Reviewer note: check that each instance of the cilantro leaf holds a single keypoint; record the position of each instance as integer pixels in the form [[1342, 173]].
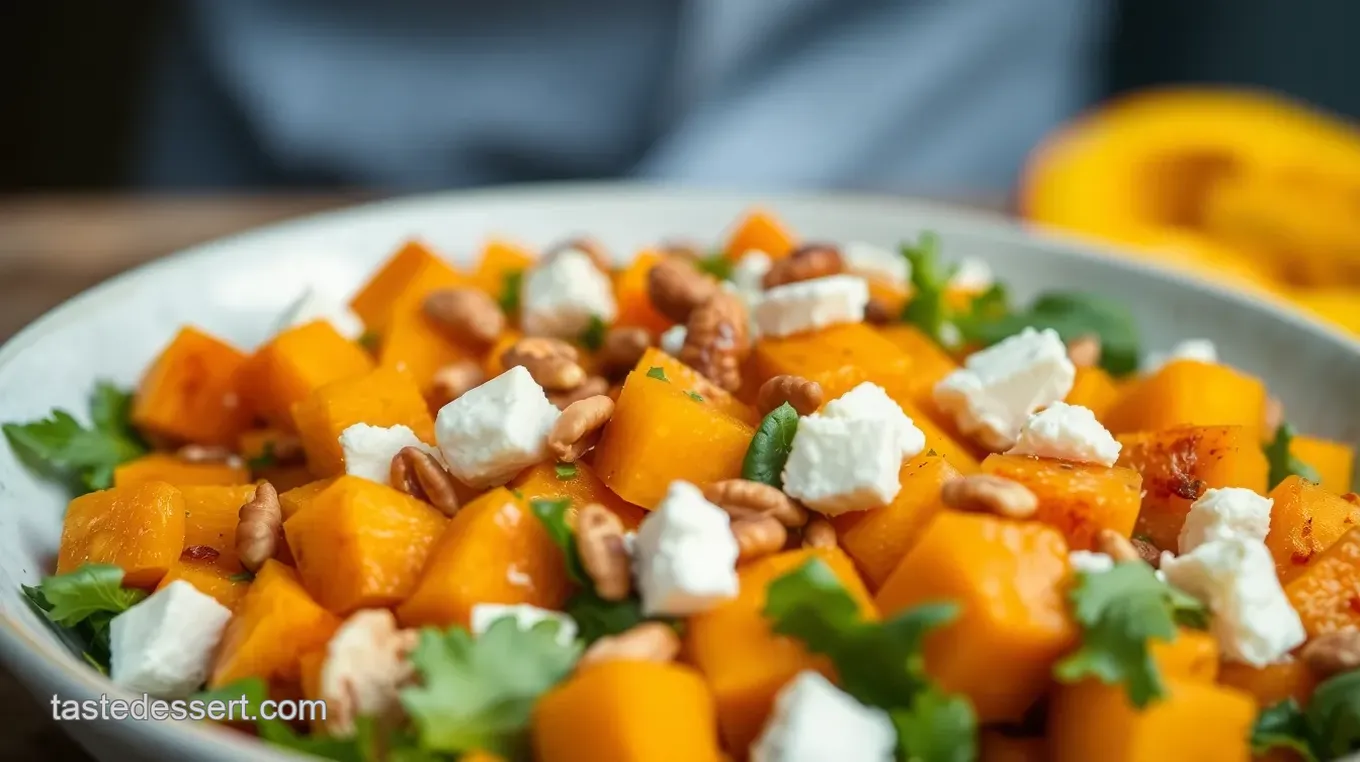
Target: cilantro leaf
[[697, 397], [1284, 726], [244, 575], [1119, 611], [254, 691], [770, 447], [82, 603], [597, 618], [592, 337], [716, 264], [657, 372], [565, 471], [1283, 462], [1072, 314], [477, 693], [510, 287], [553, 515], [928, 308], [938, 727], [1334, 716], [59, 446]]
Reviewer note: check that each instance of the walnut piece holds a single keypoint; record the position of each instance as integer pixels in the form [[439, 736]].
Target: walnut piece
[[990, 494], [816, 260], [467, 315], [1332, 653], [758, 536], [365, 668], [421, 475], [258, 527], [675, 288], [593, 386], [554, 364], [453, 381], [649, 641], [717, 340], [819, 533], [599, 541], [622, 348], [578, 428], [742, 498], [805, 396]]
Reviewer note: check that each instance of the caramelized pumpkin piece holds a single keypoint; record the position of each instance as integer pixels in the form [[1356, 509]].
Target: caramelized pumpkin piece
[[1095, 389], [210, 577], [382, 397], [361, 544], [691, 381], [659, 434], [630, 292], [414, 264], [1334, 461], [294, 500], [274, 625], [163, 467], [414, 346], [1191, 393], [1304, 521], [210, 518], [929, 362], [1178, 465], [577, 483], [189, 393], [760, 230], [501, 260], [627, 711], [493, 551], [1193, 656], [296, 363], [745, 663], [1009, 578], [881, 537], [1273, 683], [1327, 592], [139, 529], [1077, 499]]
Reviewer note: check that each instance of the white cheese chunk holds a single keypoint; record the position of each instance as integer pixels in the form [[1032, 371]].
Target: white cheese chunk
[[559, 297], [313, 305], [839, 465], [1089, 562], [869, 402], [973, 275], [1067, 432], [685, 556], [673, 339], [1200, 350], [164, 645], [1225, 512], [496, 430], [369, 450], [1000, 387], [876, 263], [812, 304], [485, 614], [365, 666], [1253, 620], [748, 273], [814, 721]]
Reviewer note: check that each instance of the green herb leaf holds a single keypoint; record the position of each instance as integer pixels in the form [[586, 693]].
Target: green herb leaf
[[928, 308], [242, 576], [939, 727], [1120, 610], [597, 618], [1334, 716], [1283, 462], [770, 447], [716, 264], [592, 337], [553, 514], [254, 692], [697, 397], [265, 459], [657, 372], [1282, 725], [511, 281], [1072, 314], [566, 471], [60, 447], [82, 603], [478, 693]]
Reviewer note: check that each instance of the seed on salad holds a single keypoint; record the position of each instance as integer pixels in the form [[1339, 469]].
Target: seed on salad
[[804, 395], [258, 526], [675, 288], [816, 260], [758, 536], [206, 454], [742, 498], [986, 493], [553, 363], [578, 428], [421, 475], [649, 641], [592, 248], [1117, 546], [1332, 653], [599, 541], [717, 340], [453, 381], [1084, 351], [465, 314], [593, 386], [622, 348], [819, 533]]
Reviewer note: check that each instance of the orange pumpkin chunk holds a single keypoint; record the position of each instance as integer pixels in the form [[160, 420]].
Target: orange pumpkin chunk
[[1304, 521], [210, 577], [760, 230], [139, 529], [578, 484], [382, 397], [294, 500], [1327, 593], [630, 293], [500, 261], [878, 541], [189, 393], [690, 380], [1273, 683], [414, 264], [296, 363], [929, 362], [1013, 623], [1191, 393], [1094, 389], [493, 551], [162, 467], [1077, 499], [210, 518], [1193, 655], [1334, 461], [415, 346], [361, 544], [274, 625]]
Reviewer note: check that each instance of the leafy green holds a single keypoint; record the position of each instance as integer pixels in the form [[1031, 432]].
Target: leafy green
[[60, 447], [360, 748], [82, 603], [770, 447], [510, 287], [928, 308], [244, 575], [1120, 610], [1282, 726], [477, 693], [1073, 315], [597, 618], [657, 372], [592, 337], [265, 459], [1283, 462], [1328, 729], [565, 471], [716, 264], [697, 397], [553, 515], [879, 663]]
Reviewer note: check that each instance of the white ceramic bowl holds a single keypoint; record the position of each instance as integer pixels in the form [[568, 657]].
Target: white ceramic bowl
[[238, 286]]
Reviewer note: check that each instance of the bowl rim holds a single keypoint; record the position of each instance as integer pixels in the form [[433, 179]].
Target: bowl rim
[[36, 664]]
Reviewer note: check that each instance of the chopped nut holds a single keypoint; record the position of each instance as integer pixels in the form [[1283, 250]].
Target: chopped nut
[[1117, 546], [465, 314], [877, 312], [599, 540], [207, 454], [819, 533], [453, 381], [742, 498], [623, 347], [366, 666], [990, 494], [1148, 552], [1332, 653], [687, 250], [675, 288], [554, 364], [805, 396], [717, 340], [758, 536], [579, 427], [258, 526], [593, 386], [1274, 415], [649, 641], [817, 260], [1084, 351], [589, 246], [420, 475]]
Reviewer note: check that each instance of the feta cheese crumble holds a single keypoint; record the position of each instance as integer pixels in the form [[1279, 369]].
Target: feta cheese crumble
[[313, 305], [369, 450], [164, 645], [496, 430], [1201, 350], [814, 721], [673, 339], [876, 262], [526, 616], [1223, 513], [812, 304], [1067, 432], [685, 556], [840, 465], [1000, 387], [748, 273], [1089, 562], [869, 402], [559, 297]]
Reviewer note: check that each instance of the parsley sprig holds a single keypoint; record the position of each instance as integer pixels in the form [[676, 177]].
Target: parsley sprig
[[60, 447], [1283, 462], [82, 603], [1328, 729]]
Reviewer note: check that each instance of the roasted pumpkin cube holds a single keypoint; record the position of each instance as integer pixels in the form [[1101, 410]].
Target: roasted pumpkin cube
[[189, 393], [210, 518], [296, 363], [1178, 465], [1304, 521], [1010, 582], [1192, 655], [658, 434], [577, 483], [294, 500], [210, 577], [1095, 389], [1273, 683], [491, 362], [635, 306], [383, 397], [760, 230], [744, 662], [493, 551], [500, 261], [692, 382], [415, 347], [1333, 461], [929, 362], [361, 544], [1327, 592], [275, 623], [163, 467], [1077, 499], [139, 529], [1190, 393], [880, 538], [414, 265], [838, 357]]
